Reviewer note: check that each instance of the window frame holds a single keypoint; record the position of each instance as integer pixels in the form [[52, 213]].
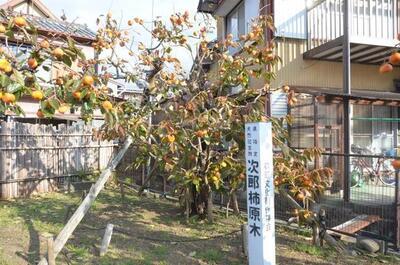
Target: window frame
[[20, 50], [236, 10]]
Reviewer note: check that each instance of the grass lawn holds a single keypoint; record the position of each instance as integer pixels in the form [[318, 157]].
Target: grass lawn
[[149, 226]]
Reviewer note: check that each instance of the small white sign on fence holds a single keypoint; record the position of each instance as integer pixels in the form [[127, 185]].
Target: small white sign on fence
[[260, 194]]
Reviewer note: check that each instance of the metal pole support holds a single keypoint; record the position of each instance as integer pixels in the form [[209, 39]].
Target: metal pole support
[[347, 92]]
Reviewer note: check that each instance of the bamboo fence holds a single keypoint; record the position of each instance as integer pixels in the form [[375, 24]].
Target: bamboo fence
[[37, 158]]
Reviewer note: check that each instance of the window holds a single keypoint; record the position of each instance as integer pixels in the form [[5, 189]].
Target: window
[[375, 133], [20, 51], [235, 22]]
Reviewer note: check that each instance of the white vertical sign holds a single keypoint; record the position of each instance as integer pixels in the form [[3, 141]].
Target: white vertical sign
[[260, 194]]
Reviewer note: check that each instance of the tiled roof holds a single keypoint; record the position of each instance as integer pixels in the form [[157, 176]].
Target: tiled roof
[[48, 23], [62, 27], [208, 6]]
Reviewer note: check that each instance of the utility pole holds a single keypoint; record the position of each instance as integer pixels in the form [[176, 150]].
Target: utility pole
[[347, 93]]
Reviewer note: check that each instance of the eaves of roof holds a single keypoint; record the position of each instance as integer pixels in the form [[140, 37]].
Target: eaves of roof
[[54, 28]]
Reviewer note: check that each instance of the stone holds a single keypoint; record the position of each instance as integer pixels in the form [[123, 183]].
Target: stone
[[367, 244]]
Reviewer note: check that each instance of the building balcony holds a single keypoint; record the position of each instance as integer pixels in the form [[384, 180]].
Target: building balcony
[[374, 26]]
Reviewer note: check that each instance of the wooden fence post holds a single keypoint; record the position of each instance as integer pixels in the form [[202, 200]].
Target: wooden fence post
[[80, 212], [106, 239], [5, 169], [51, 258], [2, 160]]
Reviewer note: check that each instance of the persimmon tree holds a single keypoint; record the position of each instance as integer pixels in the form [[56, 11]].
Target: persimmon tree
[[197, 140]]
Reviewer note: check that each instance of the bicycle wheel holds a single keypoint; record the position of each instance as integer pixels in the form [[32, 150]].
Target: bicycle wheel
[[387, 176]]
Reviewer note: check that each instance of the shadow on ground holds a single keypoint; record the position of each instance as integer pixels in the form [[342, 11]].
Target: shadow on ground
[[153, 233]]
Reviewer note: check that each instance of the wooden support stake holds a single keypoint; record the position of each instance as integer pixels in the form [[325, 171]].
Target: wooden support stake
[[106, 239], [328, 238], [316, 240], [84, 207], [121, 186], [51, 258]]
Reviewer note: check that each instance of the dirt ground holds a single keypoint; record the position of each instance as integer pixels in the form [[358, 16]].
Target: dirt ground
[[147, 231]]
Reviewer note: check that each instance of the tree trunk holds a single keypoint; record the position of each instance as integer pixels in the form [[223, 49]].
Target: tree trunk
[[201, 202], [187, 204], [235, 204], [227, 206], [210, 215], [149, 176]]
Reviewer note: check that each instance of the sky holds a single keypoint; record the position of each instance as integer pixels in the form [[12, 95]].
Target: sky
[[87, 11]]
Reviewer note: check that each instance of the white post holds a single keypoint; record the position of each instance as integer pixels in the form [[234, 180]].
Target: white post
[[51, 258], [260, 194], [106, 239]]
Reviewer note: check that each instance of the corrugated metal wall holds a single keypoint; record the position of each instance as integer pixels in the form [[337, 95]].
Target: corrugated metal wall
[[295, 71], [279, 107]]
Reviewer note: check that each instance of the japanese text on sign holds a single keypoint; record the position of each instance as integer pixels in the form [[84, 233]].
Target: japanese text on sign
[[260, 194]]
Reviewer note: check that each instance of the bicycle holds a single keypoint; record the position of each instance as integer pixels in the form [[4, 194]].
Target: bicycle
[[362, 172]]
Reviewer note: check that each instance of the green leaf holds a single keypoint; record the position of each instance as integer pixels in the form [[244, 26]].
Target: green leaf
[[54, 103], [109, 118], [71, 42], [18, 110], [47, 108], [2, 107], [81, 54], [14, 87], [70, 53], [93, 97], [4, 80], [46, 68], [67, 60], [171, 177], [69, 83], [10, 34], [19, 78], [84, 93], [48, 112], [85, 107]]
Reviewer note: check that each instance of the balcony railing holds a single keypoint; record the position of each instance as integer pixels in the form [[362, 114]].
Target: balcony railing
[[372, 21]]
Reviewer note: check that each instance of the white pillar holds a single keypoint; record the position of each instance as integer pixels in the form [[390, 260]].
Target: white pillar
[[260, 194]]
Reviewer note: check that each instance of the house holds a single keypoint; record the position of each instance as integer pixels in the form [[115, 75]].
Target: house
[[50, 26], [331, 51]]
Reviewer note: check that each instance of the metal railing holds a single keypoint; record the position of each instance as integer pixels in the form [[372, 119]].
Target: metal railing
[[371, 20]]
